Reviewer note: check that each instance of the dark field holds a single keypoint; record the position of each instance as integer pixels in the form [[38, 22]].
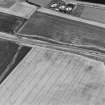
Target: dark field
[[63, 30], [10, 55], [10, 23]]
